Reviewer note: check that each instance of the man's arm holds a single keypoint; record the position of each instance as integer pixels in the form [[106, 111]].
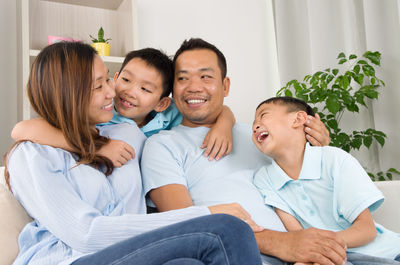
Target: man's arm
[[171, 197], [176, 196], [310, 245], [316, 132]]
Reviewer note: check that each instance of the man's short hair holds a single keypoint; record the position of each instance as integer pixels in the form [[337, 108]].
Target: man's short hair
[[292, 104], [158, 60], [199, 44]]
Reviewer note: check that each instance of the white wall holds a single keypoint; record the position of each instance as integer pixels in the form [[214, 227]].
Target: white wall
[[8, 72], [242, 30]]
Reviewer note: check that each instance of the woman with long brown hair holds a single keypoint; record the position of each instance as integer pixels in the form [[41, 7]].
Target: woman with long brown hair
[[86, 212]]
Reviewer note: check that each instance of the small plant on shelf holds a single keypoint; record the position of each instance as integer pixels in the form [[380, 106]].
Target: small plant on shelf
[[100, 44], [332, 92]]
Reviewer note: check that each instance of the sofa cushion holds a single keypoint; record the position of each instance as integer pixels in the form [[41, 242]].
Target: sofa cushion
[[13, 219], [388, 214]]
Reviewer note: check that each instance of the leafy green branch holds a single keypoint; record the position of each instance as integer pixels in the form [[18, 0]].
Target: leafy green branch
[[331, 92]]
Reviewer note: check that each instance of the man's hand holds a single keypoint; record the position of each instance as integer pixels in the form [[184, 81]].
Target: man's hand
[[236, 210], [118, 152], [316, 132], [310, 245]]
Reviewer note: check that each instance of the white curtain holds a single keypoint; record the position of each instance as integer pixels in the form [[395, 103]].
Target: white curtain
[[311, 33]]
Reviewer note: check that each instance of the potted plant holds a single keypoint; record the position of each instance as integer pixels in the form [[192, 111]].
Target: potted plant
[[331, 92], [100, 44]]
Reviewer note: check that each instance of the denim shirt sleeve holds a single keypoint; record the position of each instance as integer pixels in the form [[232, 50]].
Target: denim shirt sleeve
[[44, 188]]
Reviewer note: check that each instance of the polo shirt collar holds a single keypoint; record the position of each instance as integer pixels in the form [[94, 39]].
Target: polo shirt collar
[[311, 168]]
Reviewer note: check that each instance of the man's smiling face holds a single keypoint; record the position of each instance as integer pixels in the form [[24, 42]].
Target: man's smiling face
[[199, 90]]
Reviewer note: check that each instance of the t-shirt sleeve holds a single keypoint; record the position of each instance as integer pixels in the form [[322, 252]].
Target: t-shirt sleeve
[[353, 189], [159, 165], [271, 197]]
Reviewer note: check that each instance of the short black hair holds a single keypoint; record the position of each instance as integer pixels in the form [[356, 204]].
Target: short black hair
[[199, 44], [160, 61], [292, 104]]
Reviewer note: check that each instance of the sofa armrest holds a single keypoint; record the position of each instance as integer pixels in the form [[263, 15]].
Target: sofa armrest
[[388, 214], [13, 219]]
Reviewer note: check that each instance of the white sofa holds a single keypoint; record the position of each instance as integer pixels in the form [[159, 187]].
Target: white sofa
[[14, 217]]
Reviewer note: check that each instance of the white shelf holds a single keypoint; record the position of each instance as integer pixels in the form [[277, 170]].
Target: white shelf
[[106, 59], [105, 4], [74, 19], [112, 62]]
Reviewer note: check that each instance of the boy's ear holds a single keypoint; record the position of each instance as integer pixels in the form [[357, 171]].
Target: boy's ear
[[115, 77], [300, 119], [163, 104]]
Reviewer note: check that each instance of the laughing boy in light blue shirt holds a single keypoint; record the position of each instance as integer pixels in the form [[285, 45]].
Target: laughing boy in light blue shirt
[[322, 187]]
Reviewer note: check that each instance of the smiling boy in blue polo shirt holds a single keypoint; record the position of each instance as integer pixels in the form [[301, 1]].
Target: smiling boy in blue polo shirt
[[322, 187]]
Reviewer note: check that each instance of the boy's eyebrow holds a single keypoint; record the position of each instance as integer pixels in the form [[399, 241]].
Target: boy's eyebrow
[[127, 71], [144, 81]]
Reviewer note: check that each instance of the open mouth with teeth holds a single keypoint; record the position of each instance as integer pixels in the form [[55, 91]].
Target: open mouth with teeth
[[195, 101], [107, 107], [126, 103], [262, 136]]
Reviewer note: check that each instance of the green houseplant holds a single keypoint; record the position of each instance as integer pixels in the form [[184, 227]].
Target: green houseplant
[[332, 92], [100, 44]]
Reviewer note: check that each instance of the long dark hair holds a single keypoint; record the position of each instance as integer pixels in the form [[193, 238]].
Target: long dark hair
[[59, 90]]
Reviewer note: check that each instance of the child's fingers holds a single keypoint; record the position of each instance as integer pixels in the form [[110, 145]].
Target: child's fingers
[[222, 150], [209, 147], [205, 142], [215, 150], [125, 155], [130, 150], [218, 149], [229, 149]]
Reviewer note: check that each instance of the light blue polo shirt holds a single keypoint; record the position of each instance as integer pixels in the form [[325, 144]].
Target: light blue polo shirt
[[331, 191], [175, 157], [165, 120]]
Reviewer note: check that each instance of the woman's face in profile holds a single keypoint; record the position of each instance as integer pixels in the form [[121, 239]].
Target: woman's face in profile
[[101, 102]]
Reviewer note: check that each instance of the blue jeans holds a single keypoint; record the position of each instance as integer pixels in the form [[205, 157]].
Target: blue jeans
[[361, 259], [214, 239], [352, 259]]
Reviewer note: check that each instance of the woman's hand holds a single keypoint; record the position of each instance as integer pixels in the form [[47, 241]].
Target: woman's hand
[[236, 210]]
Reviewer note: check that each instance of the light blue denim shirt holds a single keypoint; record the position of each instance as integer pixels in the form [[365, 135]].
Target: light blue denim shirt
[[76, 209], [165, 120], [330, 193]]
